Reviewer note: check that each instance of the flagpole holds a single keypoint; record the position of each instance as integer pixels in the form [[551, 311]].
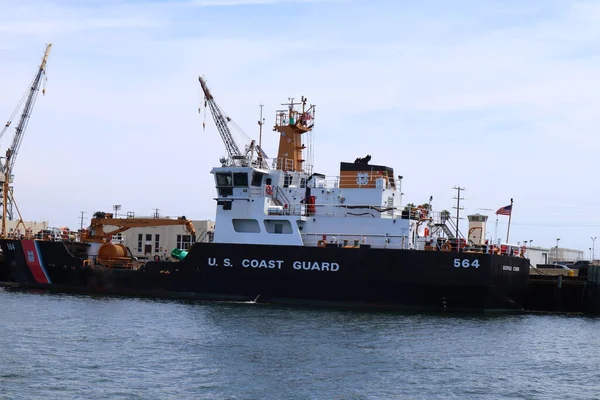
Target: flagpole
[[509, 218], [496, 230]]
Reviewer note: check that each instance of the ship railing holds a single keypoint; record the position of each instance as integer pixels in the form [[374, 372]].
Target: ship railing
[[336, 182], [206, 235], [284, 207], [352, 240], [295, 117], [340, 209], [200, 237], [284, 164], [331, 182]]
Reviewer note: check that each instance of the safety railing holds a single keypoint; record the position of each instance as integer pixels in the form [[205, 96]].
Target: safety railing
[[352, 240]]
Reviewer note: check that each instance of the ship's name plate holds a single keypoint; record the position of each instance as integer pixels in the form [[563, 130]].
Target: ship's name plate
[[277, 264]]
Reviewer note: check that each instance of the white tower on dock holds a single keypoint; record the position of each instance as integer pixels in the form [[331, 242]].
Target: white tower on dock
[[476, 234]]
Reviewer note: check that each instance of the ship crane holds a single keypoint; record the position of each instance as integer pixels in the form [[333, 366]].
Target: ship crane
[[97, 232], [236, 157], [104, 225], [221, 120], [7, 165]]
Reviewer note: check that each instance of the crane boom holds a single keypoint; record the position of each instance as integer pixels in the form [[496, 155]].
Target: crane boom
[[102, 220], [6, 195], [221, 120], [11, 152]]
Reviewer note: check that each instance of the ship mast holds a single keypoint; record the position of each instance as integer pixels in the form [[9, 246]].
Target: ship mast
[[292, 124], [261, 122]]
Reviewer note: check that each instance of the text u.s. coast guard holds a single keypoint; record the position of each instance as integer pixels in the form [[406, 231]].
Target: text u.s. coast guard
[[277, 264]]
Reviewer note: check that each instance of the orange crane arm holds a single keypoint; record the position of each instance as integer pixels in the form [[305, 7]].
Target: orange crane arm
[[98, 233]]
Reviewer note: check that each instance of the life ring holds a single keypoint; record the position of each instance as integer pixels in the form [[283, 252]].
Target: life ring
[[156, 258], [446, 247], [269, 190], [321, 243]]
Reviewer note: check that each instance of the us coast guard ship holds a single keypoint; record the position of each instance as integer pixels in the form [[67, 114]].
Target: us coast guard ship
[[286, 234]]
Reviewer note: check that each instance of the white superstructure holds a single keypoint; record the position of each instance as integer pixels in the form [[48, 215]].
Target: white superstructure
[[277, 202]]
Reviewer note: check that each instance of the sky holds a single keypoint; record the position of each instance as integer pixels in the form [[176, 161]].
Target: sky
[[497, 97]]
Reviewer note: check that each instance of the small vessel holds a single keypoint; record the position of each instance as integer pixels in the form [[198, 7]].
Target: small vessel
[[286, 234]]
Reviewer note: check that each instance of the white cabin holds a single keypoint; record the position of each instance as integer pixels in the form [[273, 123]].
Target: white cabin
[[279, 202]]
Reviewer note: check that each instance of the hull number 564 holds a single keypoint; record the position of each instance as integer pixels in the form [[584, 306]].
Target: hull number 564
[[466, 263]]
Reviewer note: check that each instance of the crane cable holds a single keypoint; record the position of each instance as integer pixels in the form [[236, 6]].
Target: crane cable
[[17, 109], [228, 121]]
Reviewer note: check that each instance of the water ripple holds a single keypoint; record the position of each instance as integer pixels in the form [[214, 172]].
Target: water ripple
[[82, 347]]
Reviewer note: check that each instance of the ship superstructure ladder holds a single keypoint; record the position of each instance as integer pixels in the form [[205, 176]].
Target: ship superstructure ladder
[[7, 164]]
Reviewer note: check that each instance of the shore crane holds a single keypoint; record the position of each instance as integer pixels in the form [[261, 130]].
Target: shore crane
[[6, 165], [235, 156]]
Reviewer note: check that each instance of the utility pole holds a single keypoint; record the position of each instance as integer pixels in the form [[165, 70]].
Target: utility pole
[[116, 207], [156, 214], [82, 215], [458, 208]]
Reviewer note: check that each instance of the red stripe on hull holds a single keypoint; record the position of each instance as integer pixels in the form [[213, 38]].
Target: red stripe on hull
[[33, 261]]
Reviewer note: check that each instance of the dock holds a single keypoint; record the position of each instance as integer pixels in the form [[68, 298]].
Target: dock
[[555, 290]]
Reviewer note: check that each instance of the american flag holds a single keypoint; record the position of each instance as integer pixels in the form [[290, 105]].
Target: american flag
[[506, 210]]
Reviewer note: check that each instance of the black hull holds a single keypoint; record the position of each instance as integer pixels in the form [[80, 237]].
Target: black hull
[[407, 279]]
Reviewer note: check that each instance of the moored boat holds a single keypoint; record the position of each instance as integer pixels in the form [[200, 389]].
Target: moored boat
[[286, 234]]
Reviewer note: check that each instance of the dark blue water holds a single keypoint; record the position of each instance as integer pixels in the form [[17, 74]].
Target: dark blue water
[[63, 347]]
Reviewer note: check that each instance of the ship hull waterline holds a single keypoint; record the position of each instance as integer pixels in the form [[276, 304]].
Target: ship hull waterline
[[328, 276]]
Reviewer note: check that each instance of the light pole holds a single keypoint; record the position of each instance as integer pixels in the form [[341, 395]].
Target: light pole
[[590, 254], [556, 252], [593, 247]]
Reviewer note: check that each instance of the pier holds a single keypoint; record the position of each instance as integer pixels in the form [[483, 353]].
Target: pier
[[559, 291]]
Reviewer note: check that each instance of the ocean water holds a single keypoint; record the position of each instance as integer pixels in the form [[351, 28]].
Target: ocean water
[[82, 347]]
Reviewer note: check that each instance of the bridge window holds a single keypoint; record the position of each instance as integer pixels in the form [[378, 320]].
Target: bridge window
[[257, 179], [246, 225], [240, 179], [224, 179], [224, 183]]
